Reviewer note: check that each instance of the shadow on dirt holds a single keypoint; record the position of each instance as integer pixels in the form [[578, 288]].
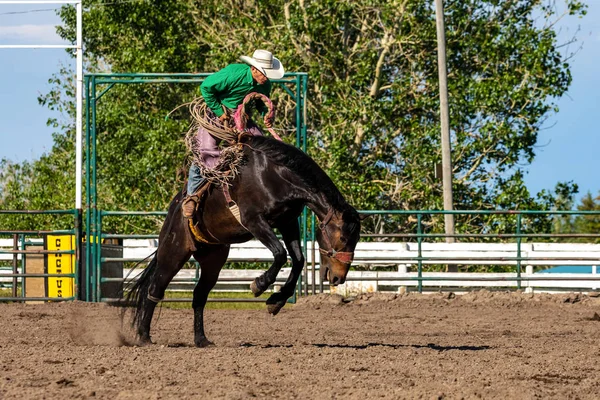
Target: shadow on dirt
[[370, 345]]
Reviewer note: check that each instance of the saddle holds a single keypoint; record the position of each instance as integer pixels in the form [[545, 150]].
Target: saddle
[[199, 231]]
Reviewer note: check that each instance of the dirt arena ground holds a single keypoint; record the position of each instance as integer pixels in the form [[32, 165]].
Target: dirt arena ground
[[479, 345]]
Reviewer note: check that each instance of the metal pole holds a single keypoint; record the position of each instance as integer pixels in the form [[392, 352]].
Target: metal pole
[[298, 144], [519, 239], [94, 190], [78, 106], [302, 81], [313, 252], [39, 2], [419, 254], [91, 268], [23, 280], [88, 196], [445, 125], [304, 111], [98, 263], [36, 46], [78, 144], [15, 264], [78, 252]]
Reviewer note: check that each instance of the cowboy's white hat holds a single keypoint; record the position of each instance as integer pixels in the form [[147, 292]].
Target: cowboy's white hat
[[264, 61]]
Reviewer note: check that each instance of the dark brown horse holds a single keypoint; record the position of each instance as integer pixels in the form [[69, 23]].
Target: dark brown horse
[[273, 185]]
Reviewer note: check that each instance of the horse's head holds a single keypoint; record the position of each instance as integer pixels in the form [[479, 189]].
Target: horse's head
[[338, 235]]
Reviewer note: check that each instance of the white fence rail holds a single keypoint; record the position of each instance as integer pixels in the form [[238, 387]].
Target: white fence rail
[[404, 255], [407, 253]]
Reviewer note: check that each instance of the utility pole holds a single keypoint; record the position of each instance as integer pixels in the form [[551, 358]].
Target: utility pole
[[445, 125]]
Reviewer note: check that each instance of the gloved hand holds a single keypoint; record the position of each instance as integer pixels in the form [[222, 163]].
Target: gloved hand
[[223, 118]]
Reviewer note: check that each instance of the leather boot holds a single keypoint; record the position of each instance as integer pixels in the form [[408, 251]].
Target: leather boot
[[188, 207]]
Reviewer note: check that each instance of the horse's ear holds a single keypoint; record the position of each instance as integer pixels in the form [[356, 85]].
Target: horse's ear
[[363, 216]]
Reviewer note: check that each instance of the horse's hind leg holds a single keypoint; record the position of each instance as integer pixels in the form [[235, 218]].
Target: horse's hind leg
[[167, 263], [175, 247], [211, 259]]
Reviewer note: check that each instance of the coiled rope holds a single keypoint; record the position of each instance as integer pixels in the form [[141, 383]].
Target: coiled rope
[[203, 117]]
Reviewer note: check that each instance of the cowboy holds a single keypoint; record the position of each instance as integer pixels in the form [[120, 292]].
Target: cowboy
[[223, 91]]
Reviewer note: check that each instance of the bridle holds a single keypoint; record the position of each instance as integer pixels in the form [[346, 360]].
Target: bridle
[[345, 257]]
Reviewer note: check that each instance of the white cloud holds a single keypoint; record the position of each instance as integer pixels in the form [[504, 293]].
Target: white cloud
[[29, 34]]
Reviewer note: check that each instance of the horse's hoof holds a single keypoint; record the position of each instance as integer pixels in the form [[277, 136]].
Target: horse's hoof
[[145, 341], [255, 290], [204, 342], [275, 307]]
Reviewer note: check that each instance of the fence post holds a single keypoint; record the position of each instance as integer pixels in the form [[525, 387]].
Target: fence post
[[78, 248], [85, 277], [98, 263], [419, 254], [313, 252], [403, 269], [529, 271], [519, 250], [15, 269], [23, 285]]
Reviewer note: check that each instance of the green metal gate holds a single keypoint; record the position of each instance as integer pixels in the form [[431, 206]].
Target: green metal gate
[[96, 86]]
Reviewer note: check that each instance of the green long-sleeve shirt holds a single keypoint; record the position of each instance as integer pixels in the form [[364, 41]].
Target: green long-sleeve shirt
[[230, 86]]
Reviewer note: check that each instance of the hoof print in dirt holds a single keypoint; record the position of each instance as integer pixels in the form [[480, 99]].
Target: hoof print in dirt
[[596, 317]]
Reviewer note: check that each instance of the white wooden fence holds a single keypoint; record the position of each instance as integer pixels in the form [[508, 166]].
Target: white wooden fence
[[404, 257]]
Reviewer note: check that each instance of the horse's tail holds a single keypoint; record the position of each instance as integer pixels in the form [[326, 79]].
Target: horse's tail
[[138, 293]]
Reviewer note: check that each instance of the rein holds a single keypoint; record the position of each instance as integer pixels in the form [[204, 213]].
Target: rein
[[345, 257]]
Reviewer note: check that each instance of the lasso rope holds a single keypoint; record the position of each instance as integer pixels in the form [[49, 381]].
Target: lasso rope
[[231, 156], [241, 117], [203, 117]]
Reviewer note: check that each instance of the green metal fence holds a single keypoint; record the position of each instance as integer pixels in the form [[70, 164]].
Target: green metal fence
[[21, 239], [420, 236], [518, 236], [518, 232]]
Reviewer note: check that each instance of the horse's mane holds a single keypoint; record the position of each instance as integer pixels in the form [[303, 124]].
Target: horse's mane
[[299, 164]]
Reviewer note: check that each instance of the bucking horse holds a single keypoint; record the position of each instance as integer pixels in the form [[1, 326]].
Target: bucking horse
[[270, 190]]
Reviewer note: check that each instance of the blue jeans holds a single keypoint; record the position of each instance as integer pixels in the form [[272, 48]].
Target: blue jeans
[[194, 180]]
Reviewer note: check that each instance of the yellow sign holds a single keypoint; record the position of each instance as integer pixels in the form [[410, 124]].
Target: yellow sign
[[61, 264]]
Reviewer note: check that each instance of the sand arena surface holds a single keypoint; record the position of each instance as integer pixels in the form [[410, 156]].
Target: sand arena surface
[[480, 345]]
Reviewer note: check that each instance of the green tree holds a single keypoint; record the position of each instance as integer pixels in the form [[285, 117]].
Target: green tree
[[373, 94], [588, 223]]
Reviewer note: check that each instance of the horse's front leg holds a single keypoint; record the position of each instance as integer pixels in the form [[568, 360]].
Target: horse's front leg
[[263, 232], [291, 237], [211, 259]]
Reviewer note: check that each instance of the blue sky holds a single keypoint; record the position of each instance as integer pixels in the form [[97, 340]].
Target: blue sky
[[24, 75], [568, 148]]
